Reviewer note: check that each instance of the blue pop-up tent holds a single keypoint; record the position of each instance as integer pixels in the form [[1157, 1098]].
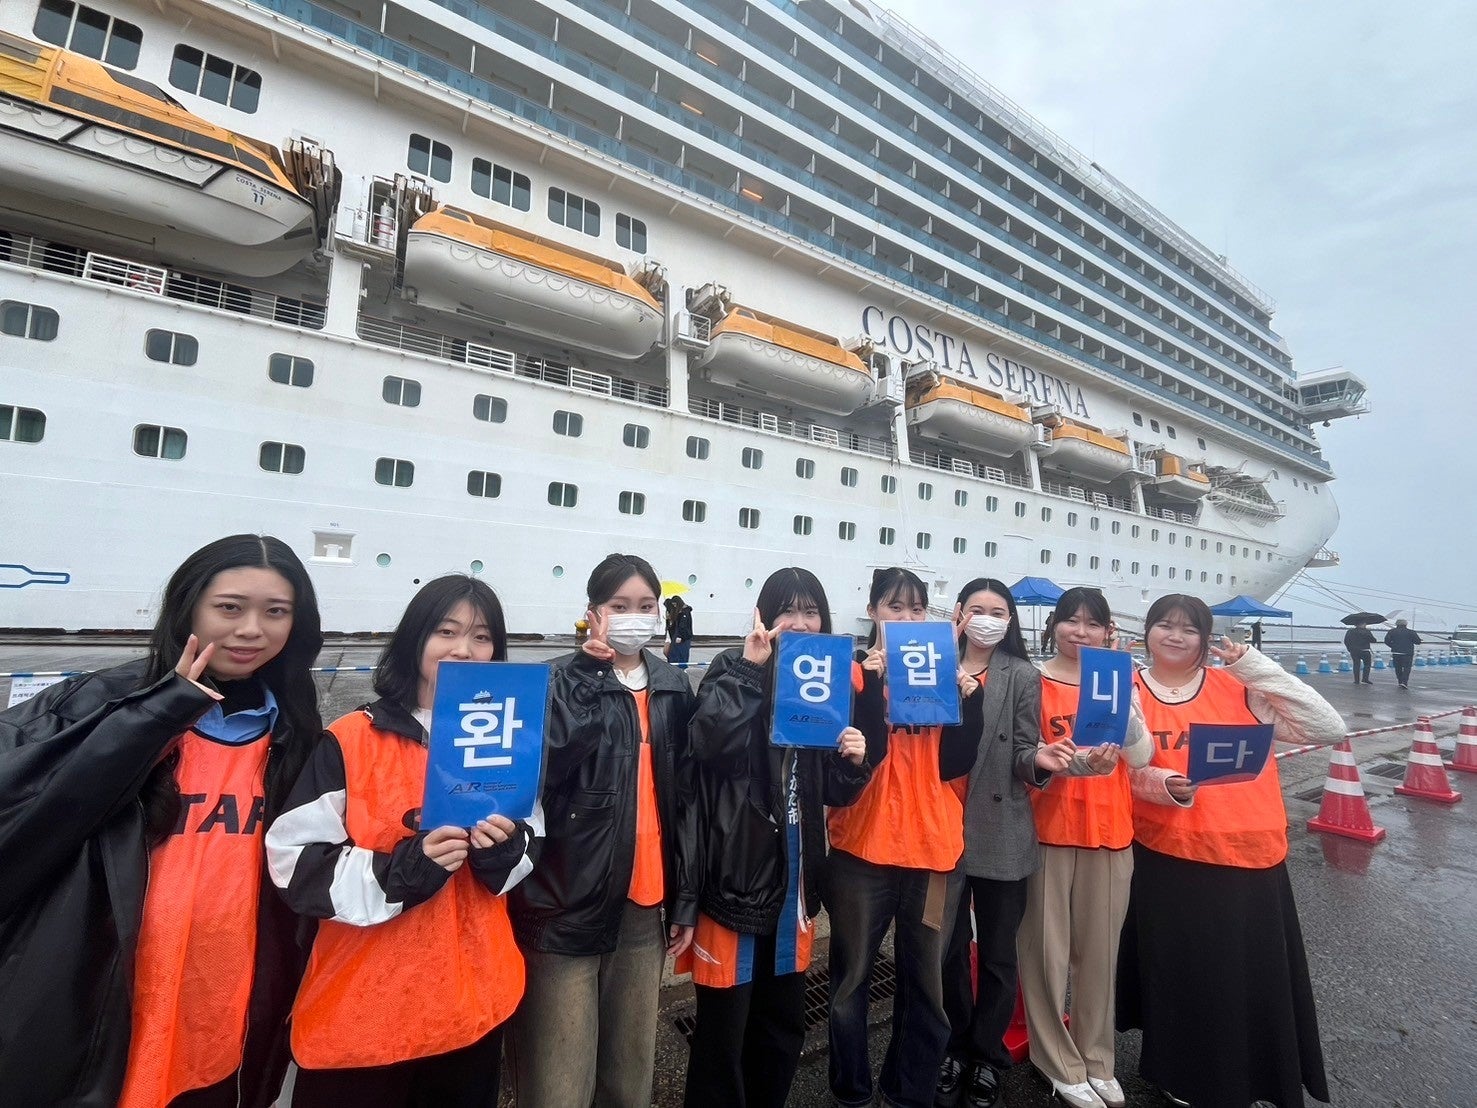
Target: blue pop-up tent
[[1240, 607], [1036, 590]]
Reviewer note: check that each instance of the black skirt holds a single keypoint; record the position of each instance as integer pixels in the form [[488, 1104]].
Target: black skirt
[[1212, 968]]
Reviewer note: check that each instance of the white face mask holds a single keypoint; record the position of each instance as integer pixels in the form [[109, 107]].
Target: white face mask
[[628, 633], [986, 630]]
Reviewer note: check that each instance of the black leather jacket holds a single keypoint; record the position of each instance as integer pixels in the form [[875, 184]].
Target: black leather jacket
[[742, 795], [75, 863], [572, 901]]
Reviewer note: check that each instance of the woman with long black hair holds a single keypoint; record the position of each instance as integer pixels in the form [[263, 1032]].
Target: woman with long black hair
[[147, 961]]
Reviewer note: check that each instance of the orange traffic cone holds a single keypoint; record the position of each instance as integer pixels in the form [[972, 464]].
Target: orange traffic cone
[[1465, 758], [1345, 811], [1425, 772]]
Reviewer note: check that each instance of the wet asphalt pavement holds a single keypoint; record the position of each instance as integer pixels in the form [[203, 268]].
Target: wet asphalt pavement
[[1391, 930]]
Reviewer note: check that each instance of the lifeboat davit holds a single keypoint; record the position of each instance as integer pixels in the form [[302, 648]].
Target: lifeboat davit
[[1178, 480], [86, 142], [971, 416], [1085, 452], [762, 355], [461, 262]]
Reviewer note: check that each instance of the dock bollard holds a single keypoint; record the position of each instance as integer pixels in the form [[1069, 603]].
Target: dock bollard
[[1302, 666], [1323, 664]]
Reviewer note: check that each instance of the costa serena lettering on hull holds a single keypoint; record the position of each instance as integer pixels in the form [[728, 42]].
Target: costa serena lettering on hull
[[952, 354]]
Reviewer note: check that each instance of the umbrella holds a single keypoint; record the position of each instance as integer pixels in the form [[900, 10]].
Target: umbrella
[[1363, 617], [1036, 591]]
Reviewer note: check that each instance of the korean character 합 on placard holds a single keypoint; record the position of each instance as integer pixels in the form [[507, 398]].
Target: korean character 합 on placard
[[921, 661]]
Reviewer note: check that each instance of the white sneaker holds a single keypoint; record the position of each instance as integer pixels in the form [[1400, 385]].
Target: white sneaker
[[1109, 1091], [1078, 1096]]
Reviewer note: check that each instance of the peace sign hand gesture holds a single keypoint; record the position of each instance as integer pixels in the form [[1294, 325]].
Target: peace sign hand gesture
[[759, 643], [1229, 652], [595, 645], [193, 662]]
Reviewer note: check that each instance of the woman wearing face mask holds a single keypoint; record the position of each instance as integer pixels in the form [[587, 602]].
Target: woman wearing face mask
[[998, 745], [1076, 901], [144, 960], [892, 853], [764, 842], [414, 969], [1212, 966], [615, 889]]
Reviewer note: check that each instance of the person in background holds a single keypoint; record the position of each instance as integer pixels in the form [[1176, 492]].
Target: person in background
[[1076, 901], [1402, 642], [762, 820], [615, 889], [892, 855], [997, 744], [143, 960], [1256, 634], [414, 970], [679, 630], [1359, 642], [1212, 966]]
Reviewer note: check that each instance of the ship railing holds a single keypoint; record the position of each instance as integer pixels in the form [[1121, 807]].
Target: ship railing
[[1230, 500], [490, 359], [964, 467], [1087, 496], [173, 284], [790, 428]]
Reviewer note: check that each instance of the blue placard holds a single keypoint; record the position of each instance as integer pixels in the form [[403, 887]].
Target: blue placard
[[1104, 698], [922, 674], [486, 752], [1225, 754], [812, 689]]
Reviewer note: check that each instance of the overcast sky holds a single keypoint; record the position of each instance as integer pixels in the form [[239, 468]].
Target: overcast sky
[[1329, 148]]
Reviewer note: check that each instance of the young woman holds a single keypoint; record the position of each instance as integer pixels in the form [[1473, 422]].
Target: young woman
[[762, 823], [1076, 901], [998, 745], [146, 961], [679, 630], [1212, 966], [414, 969], [615, 890], [892, 853]]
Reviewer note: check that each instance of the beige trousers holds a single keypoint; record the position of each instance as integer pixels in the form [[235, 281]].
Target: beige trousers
[[1075, 905]]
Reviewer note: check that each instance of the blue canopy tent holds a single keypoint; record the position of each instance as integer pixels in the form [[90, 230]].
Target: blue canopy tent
[[1243, 607], [1036, 592]]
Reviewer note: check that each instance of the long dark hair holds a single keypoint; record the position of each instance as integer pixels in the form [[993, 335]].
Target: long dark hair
[[398, 674], [784, 587], [1192, 608], [1014, 642], [1072, 601], [614, 571], [288, 675], [893, 581]]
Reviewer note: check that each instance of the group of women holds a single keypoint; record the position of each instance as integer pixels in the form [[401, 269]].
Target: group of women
[[204, 884]]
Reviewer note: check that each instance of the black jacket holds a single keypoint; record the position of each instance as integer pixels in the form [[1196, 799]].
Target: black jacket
[[679, 627], [742, 784], [75, 862], [1402, 640], [1358, 640], [572, 902]]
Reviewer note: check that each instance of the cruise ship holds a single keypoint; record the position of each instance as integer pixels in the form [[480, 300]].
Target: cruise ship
[[498, 286]]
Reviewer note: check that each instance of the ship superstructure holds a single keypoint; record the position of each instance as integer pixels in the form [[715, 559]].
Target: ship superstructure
[[498, 287]]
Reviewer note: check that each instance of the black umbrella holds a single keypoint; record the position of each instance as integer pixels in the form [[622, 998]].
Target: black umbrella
[[1363, 617]]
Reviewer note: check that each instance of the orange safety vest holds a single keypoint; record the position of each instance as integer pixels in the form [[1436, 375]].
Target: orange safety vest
[[1087, 811], [1244, 824], [197, 943], [648, 882], [905, 815], [437, 977]]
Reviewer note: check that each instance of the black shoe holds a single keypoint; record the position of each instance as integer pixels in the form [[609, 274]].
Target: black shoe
[[951, 1080], [984, 1086]]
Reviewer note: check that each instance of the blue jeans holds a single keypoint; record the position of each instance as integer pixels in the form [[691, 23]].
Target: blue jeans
[[862, 900], [678, 652]]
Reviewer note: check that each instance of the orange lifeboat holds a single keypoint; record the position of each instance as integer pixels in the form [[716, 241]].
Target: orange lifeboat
[[957, 411], [763, 355]]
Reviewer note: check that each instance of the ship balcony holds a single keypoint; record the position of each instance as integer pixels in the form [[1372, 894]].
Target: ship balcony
[[971, 417], [1248, 503], [769, 358], [1085, 452], [471, 266], [1332, 394], [1177, 480]]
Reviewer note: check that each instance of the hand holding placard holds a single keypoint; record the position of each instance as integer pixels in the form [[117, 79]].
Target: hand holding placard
[[812, 689], [1104, 700]]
